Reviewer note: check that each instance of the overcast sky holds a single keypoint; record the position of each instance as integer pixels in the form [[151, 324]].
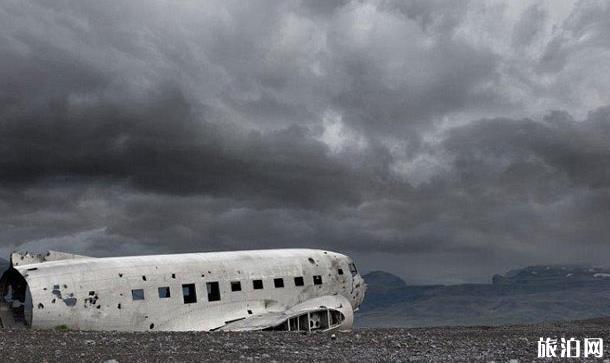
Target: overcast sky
[[443, 141]]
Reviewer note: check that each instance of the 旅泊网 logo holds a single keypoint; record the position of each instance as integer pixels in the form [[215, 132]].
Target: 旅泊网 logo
[[570, 348]]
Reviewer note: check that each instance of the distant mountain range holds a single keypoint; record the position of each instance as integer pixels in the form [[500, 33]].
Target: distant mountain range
[[528, 295]]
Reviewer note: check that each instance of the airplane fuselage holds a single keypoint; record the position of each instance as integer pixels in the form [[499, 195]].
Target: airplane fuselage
[[288, 289]]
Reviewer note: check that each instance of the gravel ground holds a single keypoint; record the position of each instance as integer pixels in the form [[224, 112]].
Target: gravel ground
[[500, 344]]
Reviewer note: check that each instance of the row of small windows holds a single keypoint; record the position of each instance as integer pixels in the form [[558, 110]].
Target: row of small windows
[[189, 293]]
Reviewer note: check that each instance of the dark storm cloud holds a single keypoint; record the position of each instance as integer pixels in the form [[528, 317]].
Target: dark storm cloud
[[529, 25], [522, 150], [513, 187], [407, 57], [159, 146], [585, 28], [398, 131]]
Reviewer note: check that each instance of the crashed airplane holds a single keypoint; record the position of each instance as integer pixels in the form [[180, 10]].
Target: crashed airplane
[[288, 290]]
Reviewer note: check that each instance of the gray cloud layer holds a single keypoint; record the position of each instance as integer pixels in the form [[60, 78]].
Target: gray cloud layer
[[422, 137]]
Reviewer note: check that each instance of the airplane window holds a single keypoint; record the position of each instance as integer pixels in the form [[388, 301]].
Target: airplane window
[[189, 294], [235, 286], [257, 284], [340, 271], [298, 281], [164, 292], [279, 282], [213, 291], [137, 294], [317, 280], [352, 269]]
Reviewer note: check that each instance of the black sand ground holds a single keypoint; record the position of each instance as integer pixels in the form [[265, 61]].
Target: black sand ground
[[500, 344]]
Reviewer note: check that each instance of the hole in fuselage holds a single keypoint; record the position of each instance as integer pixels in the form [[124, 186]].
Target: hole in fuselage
[[15, 300]]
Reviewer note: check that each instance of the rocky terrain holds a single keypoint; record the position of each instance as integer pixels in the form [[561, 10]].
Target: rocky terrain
[[528, 295], [500, 344]]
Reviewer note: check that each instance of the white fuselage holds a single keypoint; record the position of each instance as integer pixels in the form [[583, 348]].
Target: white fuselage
[[196, 291]]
